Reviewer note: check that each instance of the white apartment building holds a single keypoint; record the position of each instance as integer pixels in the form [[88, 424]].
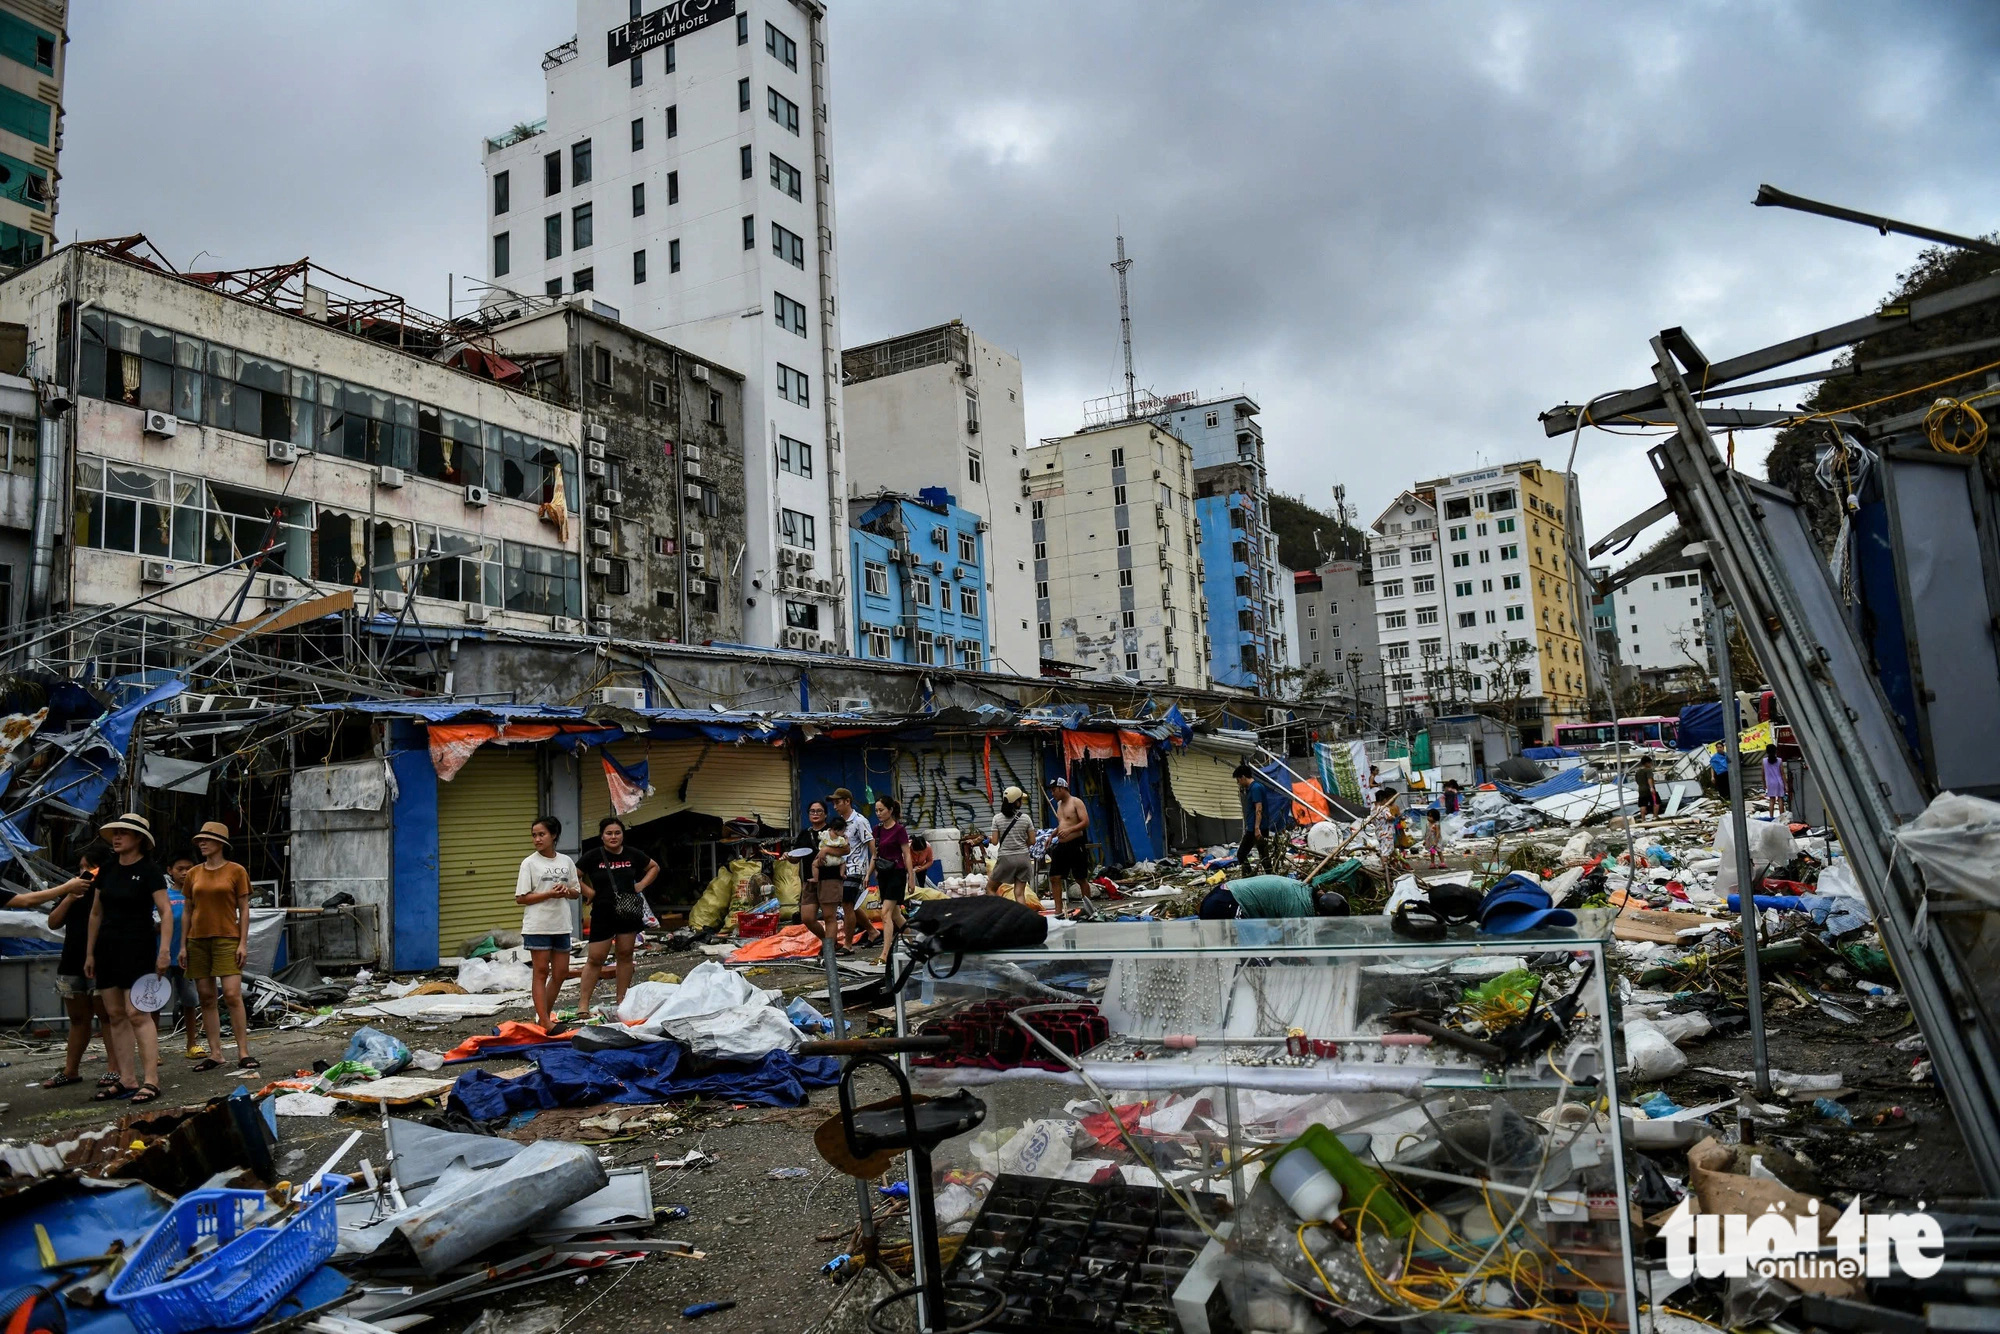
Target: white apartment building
[[1117, 566], [1409, 607], [944, 407], [682, 177], [1660, 623]]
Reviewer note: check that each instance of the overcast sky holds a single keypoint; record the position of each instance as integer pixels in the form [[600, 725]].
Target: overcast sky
[[1405, 229]]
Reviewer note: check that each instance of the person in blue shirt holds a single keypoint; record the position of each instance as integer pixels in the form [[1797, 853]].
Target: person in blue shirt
[[1718, 767], [1267, 810]]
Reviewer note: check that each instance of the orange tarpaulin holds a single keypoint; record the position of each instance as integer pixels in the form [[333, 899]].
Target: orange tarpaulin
[[452, 744], [793, 942], [1309, 805], [512, 1033], [1135, 749], [1088, 746]]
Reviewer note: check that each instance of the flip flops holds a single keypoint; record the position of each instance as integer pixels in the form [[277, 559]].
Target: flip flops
[[206, 1064], [146, 1093], [112, 1094]]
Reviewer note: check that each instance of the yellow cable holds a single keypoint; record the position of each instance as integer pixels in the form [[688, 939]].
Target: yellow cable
[[1954, 426]]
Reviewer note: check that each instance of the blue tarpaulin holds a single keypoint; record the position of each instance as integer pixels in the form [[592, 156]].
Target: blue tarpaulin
[[1569, 780], [1701, 725], [566, 1077], [1546, 752], [1137, 797], [79, 781]]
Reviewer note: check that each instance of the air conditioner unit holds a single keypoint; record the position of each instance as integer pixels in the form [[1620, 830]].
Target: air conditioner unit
[[697, 588], [698, 372], [477, 613], [476, 496], [1157, 474], [595, 431], [593, 467], [696, 561], [600, 565], [1025, 474], [155, 572], [1026, 491], [937, 567], [280, 451], [787, 556], [983, 526], [787, 581], [563, 625], [281, 589], [958, 572], [612, 497], [388, 599], [939, 536], [600, 514], [899, 632], [972, 428], [823, 587], [692, 493], [386, 476], [163, 424], [696, 538], [796, 638], [805, 560], [600, 629], [692, 453], [620, 697], [691, 468], [600, 537], [849, 703]]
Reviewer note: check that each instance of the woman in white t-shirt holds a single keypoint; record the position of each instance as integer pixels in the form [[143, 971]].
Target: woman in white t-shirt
[[548, 881]]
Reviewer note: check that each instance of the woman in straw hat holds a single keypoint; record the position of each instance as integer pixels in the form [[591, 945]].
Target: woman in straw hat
[[131, 931], [1013, 835], [217, 940]]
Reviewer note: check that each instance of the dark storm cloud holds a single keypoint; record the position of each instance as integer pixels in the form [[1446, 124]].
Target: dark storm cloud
[[1404, 229]]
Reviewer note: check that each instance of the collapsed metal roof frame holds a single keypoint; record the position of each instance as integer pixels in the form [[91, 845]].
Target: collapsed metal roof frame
[[1761, 548]]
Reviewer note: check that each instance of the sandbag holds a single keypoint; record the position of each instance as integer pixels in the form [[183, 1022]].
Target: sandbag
[[1649, 1054], [786, 885], [717, 901]]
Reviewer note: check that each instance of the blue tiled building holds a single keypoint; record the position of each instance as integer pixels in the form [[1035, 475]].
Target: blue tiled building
[[1248, 629], [919, 579]]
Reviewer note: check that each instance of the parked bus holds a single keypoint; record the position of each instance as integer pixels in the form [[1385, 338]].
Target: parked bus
[[1582, 735], [1652, 732]]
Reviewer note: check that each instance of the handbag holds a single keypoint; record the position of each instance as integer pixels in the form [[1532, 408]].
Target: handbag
[[630, 905]]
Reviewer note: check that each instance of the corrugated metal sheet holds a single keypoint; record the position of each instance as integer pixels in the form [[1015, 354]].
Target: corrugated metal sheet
[[944, 783], [725, 781], [1201, 782], [483, 819]]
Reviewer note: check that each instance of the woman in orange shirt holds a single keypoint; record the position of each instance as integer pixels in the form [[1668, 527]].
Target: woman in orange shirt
[[217, 940]]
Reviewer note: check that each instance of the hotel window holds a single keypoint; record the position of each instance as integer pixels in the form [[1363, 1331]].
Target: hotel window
[[582, 227], [674, 256], [579, 163], [796, 529], [639, 200], [878, 641], [781, 46], [785, 177], [673, 187], [788, 245], [783, 109]]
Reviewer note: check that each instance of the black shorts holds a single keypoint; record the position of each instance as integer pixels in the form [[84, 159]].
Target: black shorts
[[1070, 860], [606, 924], [892, 885]]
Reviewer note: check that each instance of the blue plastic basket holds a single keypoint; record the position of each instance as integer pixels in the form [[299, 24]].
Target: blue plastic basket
[[246, 1276]]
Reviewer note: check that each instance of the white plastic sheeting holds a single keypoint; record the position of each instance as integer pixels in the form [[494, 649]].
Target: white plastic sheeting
[[1956, 843], [715, 1011]]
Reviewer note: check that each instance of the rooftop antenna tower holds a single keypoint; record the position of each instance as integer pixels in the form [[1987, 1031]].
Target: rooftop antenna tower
[[1125, 328]]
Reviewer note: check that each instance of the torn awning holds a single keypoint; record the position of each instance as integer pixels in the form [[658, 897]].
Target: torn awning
[[1088, 746], [1135, 748]]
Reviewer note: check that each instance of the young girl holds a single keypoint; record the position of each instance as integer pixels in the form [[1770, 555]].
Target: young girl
[[548, 881], [1434, 837], [216, 940], [80, 998], [1386, 823]]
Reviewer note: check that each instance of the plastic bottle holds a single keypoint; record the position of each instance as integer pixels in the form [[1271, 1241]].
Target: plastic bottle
[[1833, 1111], [1304, 1182], [1361, 1186]]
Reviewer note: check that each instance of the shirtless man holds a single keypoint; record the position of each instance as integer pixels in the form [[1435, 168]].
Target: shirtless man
[[1069, 858]]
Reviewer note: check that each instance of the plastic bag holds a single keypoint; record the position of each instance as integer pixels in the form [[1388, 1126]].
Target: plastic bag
[[1649, 1053], [1770, 845], [494, 974], [385, 1053], [1956, 841], [1324, 837], [1838, 880], [1683, 1028]]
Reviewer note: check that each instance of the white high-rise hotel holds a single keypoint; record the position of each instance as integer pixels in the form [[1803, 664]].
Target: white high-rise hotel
[[683, 177]]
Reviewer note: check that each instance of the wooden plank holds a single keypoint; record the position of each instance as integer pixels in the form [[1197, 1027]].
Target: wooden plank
[[299, 615]]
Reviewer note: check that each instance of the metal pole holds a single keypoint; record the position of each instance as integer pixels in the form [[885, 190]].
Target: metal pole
[[826, 948], [1719, 634]]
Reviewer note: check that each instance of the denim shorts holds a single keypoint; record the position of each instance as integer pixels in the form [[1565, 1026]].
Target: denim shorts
[[558, 942]]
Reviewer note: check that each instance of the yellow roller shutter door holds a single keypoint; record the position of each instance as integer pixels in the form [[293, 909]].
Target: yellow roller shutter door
[[1202, 784], [723, 779], [483, 819]]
